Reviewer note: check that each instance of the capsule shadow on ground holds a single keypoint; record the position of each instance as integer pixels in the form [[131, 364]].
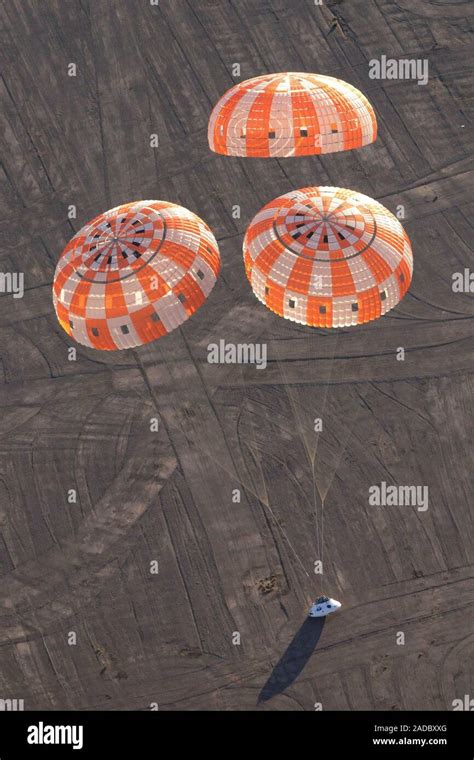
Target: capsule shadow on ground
[[293, 659]]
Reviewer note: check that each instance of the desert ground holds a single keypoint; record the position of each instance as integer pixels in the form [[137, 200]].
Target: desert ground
[[84, 621]]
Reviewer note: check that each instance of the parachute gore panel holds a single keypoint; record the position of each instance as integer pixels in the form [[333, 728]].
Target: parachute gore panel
[[291, 114], [327, 257], [133, 274]]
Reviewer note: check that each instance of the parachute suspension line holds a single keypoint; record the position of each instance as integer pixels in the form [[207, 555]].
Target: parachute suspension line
[[232, 475], [285, 535], [322, 533], [311, 455], [266, 501], [325, 398], [318, 528], [322, 497], [294, 408], [351, 429]]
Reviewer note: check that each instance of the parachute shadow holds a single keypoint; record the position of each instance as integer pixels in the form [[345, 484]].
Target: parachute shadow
[[293, 659]]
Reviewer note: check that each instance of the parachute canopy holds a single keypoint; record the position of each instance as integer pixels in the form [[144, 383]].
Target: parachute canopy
[[133, 274], [327, 257], [291, 114]]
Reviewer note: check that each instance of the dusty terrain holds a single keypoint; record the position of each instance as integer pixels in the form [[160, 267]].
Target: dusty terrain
[[227, 567]]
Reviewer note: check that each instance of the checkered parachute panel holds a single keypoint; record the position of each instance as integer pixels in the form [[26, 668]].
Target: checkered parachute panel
[[291, 114], [133, 274], [327, 257]]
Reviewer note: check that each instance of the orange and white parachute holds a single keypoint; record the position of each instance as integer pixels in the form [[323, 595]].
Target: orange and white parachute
[[291, 114], [327, 257], [133, 274]]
